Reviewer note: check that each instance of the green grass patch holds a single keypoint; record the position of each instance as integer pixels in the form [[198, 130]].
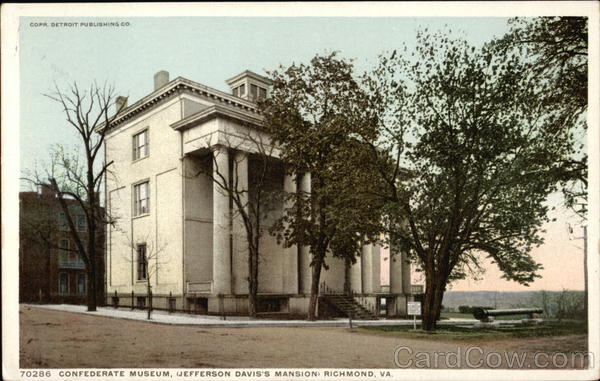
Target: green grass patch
[[456, 315], [454, 333]]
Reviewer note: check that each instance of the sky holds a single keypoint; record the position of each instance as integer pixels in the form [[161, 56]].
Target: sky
[[210, 50]]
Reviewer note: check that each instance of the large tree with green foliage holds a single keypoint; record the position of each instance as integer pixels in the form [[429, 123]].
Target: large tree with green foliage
[[558, 47], [314, 118], [466, 147], [557, 51]]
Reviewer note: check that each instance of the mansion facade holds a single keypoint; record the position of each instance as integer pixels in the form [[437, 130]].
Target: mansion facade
[[176, 229]]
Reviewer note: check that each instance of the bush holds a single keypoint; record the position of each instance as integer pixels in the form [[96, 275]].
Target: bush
[[465, 309]]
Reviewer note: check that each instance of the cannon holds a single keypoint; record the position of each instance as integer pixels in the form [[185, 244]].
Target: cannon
[[486, 315]]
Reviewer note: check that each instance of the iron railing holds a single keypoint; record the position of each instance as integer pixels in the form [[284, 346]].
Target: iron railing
[[76, 264]]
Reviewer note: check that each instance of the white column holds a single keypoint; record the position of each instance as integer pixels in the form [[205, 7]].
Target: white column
[[290, 262], [240, 237], [221, 221], [406, 281], [305, 256], [395, 271], [376, 268], [366, 260], [355, 277]]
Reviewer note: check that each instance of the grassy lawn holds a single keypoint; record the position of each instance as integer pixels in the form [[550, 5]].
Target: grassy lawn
[[454, 333], [456, 315]]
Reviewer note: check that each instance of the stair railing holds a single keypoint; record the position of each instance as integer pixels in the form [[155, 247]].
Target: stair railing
[[325, 289], [365, 303]]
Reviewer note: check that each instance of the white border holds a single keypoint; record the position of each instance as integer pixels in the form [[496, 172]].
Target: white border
[[10, 134]]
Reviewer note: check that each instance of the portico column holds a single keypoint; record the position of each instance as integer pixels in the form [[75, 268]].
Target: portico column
[[305, 257], [376, 268], [366, 260], [290, 262], [395, 271], [240, 236], [406, 281], [355, 277], [221, 221]]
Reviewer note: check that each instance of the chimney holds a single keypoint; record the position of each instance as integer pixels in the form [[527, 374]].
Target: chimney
[[120, 103], [47, 191], [161, 78]]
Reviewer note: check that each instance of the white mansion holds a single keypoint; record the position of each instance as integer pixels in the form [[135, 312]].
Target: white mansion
[[176, 229]]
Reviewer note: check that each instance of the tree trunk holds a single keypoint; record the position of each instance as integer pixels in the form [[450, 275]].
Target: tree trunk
[[91, 288], [347, 269], [437, 301], [149, 299], [427, 320], [252, 282], [91, 241], [314, 287], [434, 294], [92, 258]]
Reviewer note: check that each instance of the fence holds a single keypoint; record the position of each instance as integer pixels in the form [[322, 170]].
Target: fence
[[134, 300]]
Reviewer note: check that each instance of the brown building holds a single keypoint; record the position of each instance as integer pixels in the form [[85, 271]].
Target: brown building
[[49, 270]]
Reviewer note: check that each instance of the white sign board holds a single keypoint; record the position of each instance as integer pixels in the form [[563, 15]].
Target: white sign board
[[414, 308]]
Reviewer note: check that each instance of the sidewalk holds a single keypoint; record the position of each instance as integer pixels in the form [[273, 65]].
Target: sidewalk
[[207, 321], [178, 318]]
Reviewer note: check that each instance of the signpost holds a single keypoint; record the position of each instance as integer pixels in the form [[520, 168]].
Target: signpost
[[414, 308]]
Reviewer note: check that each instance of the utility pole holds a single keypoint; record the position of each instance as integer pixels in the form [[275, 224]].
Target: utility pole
[[585, 269]]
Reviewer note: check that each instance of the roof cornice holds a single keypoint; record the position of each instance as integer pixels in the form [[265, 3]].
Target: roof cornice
[[216, 111], [251, 74], [175, 87]]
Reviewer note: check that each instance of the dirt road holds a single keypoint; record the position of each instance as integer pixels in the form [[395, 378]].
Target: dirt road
[[55, 339]]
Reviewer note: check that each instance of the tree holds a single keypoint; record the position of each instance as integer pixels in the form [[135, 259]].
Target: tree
[[467, 150], [557, 48], [312, 116], [49, 219], [252, 199], [148, 257], [80, 178]]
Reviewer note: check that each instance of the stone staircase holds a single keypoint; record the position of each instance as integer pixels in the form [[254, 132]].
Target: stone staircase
[[346, 305]]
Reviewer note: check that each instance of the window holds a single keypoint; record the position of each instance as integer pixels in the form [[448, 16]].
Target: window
[[236, 92], [81, 283], [142, 264], [141, 199], [140, 145], [62, 222], [253, 91], [242, 90], [63, 283], [81, 223], [63, 252], [262, 92]]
